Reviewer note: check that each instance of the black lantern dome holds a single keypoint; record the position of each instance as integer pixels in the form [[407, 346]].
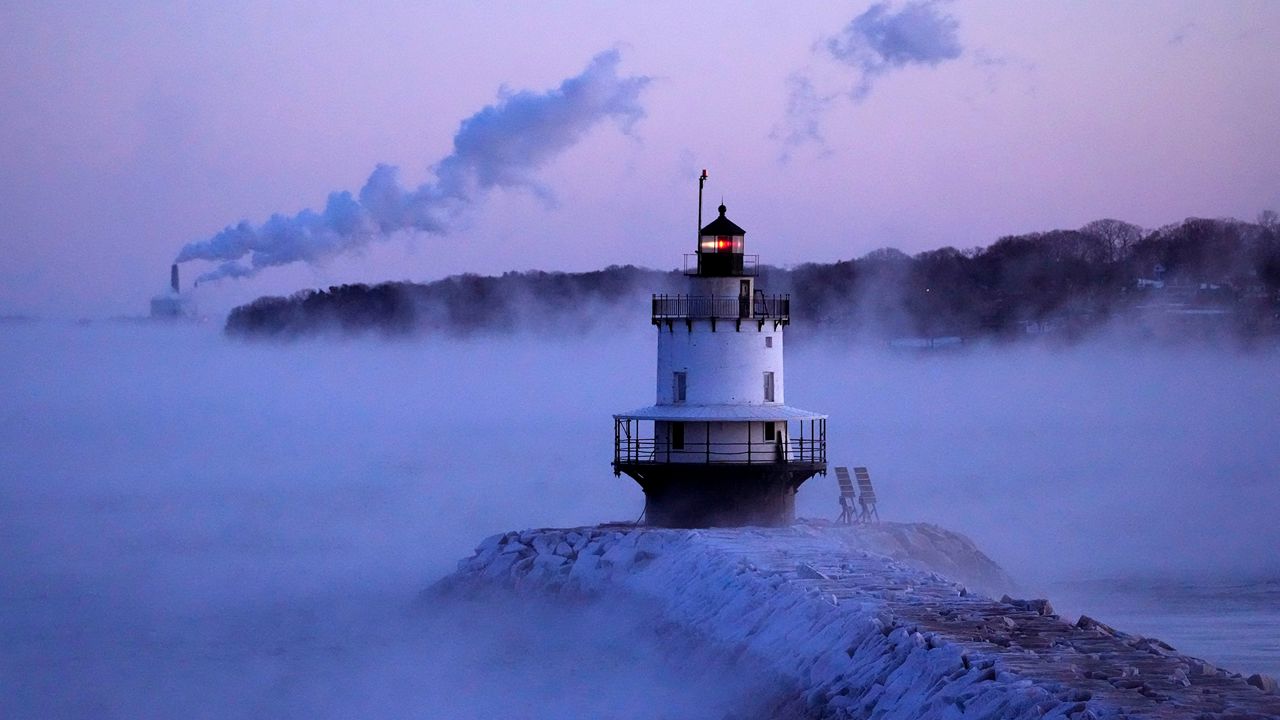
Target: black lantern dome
[[720, 247]]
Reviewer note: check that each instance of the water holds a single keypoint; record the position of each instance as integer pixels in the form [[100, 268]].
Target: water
[[1235, 625], [193, 527]]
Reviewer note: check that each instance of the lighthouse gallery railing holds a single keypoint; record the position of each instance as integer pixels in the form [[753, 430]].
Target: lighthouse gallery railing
[[750, 264], [692, 307], [631, 447]]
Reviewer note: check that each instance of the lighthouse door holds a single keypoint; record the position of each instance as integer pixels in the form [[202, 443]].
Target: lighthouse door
[[744, 299]]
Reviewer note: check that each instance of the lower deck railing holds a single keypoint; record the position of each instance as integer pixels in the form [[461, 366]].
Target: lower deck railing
[[632, 447], [636, 451]]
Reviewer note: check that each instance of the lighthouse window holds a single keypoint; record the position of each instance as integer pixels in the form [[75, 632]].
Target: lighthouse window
[[768, 341], [680, 385], [720, 243], [768, 387], [677, 436]]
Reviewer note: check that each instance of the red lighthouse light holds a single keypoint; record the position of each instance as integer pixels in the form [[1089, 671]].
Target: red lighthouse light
[[720, 246]]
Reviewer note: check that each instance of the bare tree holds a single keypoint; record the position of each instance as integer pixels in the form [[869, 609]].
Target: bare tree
[[1118, 236], [1269, 219]]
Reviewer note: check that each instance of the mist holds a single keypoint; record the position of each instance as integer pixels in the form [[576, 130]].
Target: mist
[[1098, 459], [196, 526]]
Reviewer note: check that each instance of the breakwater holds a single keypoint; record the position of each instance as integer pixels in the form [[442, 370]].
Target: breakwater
[[882, 621]]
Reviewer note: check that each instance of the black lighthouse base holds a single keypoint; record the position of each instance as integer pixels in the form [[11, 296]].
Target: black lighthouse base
[[692, 495]]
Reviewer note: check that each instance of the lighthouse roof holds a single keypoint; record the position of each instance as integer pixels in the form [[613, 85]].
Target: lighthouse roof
[[720, 413], [722, 226]]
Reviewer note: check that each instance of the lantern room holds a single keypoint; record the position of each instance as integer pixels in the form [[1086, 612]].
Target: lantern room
[[720, 249]]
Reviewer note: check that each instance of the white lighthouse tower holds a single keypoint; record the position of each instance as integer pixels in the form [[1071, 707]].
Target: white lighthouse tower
[[720, 446]]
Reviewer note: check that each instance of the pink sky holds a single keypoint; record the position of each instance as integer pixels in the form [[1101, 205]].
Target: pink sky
[[129, 132]]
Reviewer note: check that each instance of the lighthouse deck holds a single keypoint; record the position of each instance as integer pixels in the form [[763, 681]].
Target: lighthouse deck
[[721, 307], [800, 452], [696, 264], [761, 435]]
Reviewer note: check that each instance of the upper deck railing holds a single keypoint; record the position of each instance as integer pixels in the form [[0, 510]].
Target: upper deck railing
[[695, 307], [750, 264]]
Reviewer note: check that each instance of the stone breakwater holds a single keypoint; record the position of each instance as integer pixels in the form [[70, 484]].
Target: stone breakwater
[[856, 623]]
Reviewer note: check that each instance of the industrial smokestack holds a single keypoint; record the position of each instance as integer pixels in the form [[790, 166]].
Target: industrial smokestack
[[173, 277]]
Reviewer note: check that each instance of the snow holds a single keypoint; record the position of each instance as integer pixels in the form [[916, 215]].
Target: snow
[[860, 622]]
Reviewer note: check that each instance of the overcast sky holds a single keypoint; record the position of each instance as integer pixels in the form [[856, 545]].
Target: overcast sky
[[569, 135]]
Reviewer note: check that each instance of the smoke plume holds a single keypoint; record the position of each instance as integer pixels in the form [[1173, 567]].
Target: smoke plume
[[873, 43], [502, 145], [878, 41]]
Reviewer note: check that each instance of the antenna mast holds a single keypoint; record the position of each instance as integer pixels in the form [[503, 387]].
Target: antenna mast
[[701, 181]]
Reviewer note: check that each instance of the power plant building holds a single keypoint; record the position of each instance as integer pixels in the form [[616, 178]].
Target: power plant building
[[172, 305]]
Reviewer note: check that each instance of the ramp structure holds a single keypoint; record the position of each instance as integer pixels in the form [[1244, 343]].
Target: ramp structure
[[847, 495], [866, 496]]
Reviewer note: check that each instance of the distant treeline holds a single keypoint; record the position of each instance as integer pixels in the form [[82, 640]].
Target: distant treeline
[[1200, 275]]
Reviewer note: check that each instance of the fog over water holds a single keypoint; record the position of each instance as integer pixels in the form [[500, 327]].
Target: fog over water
[[199, 527]]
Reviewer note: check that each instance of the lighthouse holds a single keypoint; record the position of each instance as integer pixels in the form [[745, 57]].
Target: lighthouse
[[720, 447]]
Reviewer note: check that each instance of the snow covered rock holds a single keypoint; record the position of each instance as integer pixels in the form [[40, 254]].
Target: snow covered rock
[[863, 623]]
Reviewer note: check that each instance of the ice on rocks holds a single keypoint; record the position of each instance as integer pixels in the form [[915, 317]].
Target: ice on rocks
[[808, 572], [865, 622], [489, 545], [1039, 606], [499, 567]]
